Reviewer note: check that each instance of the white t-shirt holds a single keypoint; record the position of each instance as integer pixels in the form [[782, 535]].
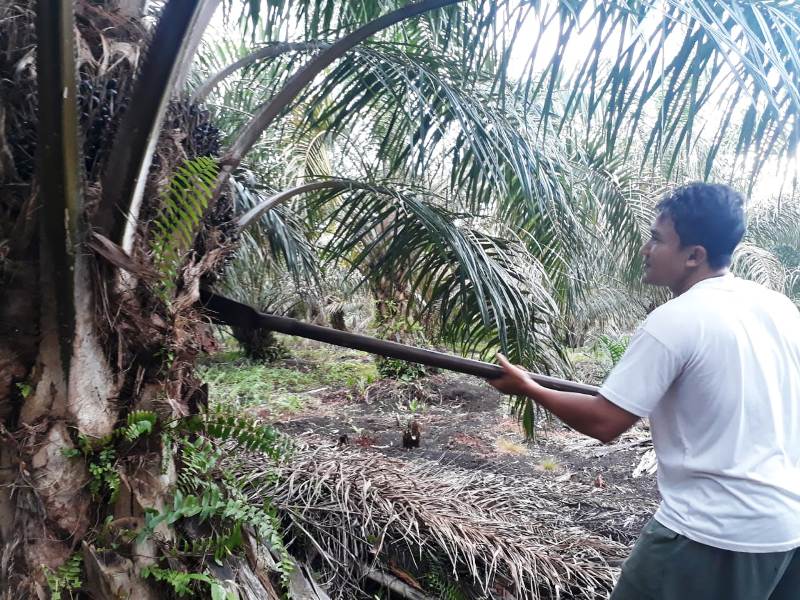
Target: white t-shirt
[[717, 371]]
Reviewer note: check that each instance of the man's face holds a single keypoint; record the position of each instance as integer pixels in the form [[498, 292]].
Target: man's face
[[665, 261]]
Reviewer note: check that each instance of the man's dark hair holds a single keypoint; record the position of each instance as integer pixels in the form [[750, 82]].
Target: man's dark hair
[[708, 215]]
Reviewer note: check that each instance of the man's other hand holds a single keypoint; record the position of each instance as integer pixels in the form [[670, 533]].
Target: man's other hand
[[514, 380]]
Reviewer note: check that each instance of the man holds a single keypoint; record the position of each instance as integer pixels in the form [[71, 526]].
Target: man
[[717, 371]]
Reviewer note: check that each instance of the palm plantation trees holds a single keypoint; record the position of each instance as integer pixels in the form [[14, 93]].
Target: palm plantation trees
[[548, 154], [770, 253], [113, 214]]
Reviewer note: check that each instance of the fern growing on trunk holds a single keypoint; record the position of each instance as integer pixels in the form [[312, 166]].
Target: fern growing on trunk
[[184, 203]]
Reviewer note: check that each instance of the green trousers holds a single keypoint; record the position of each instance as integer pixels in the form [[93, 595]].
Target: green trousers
[[665, 565]]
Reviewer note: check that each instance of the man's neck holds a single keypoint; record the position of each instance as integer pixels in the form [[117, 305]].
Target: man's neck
[[695, 278]]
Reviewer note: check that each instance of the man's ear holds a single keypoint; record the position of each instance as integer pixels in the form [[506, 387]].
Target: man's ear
[[697, 256]]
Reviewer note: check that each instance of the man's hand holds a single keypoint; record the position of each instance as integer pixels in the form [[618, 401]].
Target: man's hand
[[514, 380]]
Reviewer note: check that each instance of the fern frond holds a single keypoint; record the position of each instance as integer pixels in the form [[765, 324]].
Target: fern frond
[[184, 202], [243, 429], [105, 478], [181, 582], [66, 578], [198, 457], [212, 504], [615, 347], [440, 581], [219, 545], [140, 422]]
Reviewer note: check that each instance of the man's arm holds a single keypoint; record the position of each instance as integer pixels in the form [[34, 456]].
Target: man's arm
[[591, 415]]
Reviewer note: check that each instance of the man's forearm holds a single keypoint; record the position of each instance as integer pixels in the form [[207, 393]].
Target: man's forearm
[[591, 415]]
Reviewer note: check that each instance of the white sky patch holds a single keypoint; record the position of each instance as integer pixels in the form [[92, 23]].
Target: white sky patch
[[779, 176]]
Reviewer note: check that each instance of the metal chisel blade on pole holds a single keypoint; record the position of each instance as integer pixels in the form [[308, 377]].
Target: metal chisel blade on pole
[[230, 312]]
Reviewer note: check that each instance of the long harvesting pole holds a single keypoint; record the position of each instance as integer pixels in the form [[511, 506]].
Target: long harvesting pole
[[236, 314]]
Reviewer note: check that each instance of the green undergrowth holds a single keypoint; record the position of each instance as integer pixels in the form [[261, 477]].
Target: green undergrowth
[[207, 511], [594, 361], [284, 386]]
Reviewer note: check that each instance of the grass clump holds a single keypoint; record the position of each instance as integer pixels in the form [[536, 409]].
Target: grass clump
[[247, 382], [507, 446], [349, 373], [549, 465], [236, 381]]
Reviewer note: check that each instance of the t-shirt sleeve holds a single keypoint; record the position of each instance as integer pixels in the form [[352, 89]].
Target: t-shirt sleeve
[[643, 375]]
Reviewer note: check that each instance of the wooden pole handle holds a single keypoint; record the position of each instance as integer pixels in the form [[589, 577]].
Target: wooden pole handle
[[234, 313]]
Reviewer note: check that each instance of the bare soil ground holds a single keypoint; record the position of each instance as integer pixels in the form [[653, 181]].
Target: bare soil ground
[[465, 423]]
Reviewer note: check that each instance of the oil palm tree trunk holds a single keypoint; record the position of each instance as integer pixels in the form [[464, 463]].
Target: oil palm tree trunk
[[69, 379]]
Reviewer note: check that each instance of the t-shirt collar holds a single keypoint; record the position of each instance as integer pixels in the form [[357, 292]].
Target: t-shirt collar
[[709, 281]]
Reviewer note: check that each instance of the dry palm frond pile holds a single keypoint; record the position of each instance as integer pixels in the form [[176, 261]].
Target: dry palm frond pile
[[428, 531]]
